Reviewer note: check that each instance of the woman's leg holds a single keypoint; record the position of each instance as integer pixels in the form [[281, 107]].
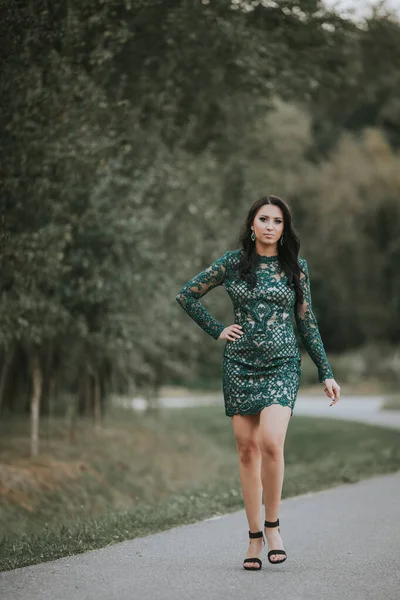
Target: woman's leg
[[246, 430], [274, 420]]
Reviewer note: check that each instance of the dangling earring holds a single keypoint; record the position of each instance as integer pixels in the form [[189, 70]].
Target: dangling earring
[[281, 240], [253, 236]]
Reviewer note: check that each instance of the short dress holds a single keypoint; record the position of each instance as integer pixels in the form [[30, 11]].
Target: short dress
[[263, 366]]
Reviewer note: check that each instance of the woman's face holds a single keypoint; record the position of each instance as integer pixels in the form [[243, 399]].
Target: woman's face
[[268, 224]]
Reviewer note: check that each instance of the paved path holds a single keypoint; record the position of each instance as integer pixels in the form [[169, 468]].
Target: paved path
[[365, 409], [341, 543]]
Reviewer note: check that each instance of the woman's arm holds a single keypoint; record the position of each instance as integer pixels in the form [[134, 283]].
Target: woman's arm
[[308, 327], [198, 286]]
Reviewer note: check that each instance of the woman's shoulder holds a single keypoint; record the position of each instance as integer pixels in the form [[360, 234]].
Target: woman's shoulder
[[233, 256], [230, 256], [230, 260]]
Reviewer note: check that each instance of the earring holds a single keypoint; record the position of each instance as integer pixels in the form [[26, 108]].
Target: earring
[[281, 240], [253, 236]]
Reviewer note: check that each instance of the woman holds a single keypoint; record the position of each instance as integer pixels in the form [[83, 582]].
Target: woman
[[267, 281]]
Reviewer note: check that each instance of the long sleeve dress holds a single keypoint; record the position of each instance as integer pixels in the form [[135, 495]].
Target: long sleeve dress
[[263, 366]]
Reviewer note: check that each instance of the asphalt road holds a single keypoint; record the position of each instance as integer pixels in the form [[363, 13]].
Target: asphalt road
[[342, 543]]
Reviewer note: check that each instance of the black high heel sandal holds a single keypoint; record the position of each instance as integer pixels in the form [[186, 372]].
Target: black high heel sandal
[[258, 534], [275, 562]]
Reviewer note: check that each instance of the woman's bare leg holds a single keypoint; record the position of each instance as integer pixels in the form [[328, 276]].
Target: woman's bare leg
[[274, 420], [246, 430]]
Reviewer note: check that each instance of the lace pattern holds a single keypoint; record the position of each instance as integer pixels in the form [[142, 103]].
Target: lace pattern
[[263, 366]]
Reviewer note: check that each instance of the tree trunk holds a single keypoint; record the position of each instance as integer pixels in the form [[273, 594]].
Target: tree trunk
[[152, 398], [37, 377], [73, 411], [52, 394], [81, 393], [50, 404], [97, 401], [88, 393], [3, 377]]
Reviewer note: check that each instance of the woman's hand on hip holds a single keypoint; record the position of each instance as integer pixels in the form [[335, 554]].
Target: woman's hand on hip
[[332, 390], [231, 333]]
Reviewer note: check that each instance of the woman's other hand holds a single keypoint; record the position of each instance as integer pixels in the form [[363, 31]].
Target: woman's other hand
[[332, 390]]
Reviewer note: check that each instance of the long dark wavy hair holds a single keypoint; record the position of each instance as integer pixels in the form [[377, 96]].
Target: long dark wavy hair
[[287, 253]]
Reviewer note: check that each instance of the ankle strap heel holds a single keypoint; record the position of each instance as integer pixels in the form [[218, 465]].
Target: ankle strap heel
[[271, 523], [275, 552], [257, 534]]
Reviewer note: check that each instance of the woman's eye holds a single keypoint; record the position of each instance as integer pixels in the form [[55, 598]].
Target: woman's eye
[[277, 221]]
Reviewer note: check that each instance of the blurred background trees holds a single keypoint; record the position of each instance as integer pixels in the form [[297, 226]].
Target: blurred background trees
[[134, 137]]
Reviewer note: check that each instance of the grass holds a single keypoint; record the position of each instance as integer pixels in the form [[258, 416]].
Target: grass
[[144, 473]]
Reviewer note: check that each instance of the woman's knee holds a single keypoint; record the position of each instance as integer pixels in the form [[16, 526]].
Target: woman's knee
[[248, 450], [271, 447]]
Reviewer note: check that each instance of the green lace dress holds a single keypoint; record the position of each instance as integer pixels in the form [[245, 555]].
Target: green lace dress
[[263, 366]]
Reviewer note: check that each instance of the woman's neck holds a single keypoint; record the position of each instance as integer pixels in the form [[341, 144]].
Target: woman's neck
[[267, 249]]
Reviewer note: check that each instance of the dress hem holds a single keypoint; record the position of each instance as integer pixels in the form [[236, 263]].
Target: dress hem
[[258, 410]]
